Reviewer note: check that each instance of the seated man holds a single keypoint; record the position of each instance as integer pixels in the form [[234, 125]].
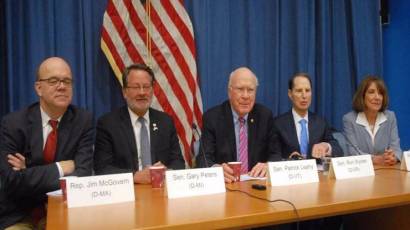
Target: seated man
[[238, 129], [41, 143], [300, 133], [136, 136]]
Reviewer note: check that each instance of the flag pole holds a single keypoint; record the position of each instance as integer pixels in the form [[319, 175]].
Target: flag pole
[[148, 37]]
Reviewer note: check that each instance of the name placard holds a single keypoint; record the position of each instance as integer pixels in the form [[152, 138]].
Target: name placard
[[292, 172], [351, 167], [405, 161], [194, 182], [98, 190]]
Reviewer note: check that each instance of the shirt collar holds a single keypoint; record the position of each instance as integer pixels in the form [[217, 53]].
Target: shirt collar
[[362, 120], [236, 116], [297, 117], [45, 118], [134, 117]]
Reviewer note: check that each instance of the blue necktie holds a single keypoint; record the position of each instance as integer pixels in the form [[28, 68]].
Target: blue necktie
[[303, 138]]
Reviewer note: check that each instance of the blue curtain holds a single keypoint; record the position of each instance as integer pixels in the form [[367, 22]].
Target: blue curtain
[[36, 30], [396, 54], [4, 103], [336, 41]]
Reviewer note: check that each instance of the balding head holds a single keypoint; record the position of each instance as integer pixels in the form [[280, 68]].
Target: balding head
[[54, 86], [52, 63], [242, 90]]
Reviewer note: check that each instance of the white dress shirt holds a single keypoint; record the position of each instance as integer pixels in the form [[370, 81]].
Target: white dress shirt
[[362, 120], [296, 119]]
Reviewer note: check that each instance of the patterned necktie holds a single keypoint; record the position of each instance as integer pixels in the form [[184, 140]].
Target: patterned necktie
[[144, 142], [243, 146], [303, 138], [49, 151]]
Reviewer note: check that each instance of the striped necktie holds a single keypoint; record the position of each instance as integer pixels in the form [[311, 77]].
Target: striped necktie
[[243, 145]]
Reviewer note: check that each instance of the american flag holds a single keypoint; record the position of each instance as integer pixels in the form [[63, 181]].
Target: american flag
[[160, 34]]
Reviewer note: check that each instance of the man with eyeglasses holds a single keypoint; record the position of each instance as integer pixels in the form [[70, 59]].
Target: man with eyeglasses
[[41, 143], [134, 137], [238, 130]]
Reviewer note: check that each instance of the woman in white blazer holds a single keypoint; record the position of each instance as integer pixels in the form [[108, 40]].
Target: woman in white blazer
[[370, 128]]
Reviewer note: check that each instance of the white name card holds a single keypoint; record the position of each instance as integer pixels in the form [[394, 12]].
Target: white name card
[[351, 167], [98, 190], [405, 161], [195, 182], [292, 172]]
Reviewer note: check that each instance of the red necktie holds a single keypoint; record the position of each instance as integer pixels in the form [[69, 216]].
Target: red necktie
[[51, 143]]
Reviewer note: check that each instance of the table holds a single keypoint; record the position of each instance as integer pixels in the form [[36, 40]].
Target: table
[[387, 193]]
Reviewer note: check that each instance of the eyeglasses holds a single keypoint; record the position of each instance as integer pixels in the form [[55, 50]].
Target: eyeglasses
[[242, 90], [144, 88], [53, 81]]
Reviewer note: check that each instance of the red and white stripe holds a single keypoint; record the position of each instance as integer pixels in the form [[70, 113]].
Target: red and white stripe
[[127, 26]]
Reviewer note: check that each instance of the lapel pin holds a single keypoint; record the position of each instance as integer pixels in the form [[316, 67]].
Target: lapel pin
[[251, 120], [154, 126]]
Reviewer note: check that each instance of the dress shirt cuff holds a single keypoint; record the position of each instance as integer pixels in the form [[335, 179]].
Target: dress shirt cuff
[[330, 149], [60, 170]]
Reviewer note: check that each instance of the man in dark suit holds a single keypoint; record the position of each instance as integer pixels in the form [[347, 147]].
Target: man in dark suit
[[302, 134], [41, 143], [310, 139], [238, 129], [136, 136]]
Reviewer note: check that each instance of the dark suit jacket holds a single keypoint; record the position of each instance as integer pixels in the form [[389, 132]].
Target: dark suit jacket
[[218, 136], [286, 139], [22, 132], [116, 149]]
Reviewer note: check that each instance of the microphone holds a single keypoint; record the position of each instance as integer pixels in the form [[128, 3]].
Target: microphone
[[296, 157], [201, 147]]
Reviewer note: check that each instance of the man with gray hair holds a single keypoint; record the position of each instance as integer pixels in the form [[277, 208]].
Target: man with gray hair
[[238, 130]]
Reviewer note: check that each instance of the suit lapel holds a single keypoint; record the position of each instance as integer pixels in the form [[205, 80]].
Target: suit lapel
[[366, 135], [36, 135], [127, 128], [315, 131], [63, 132], [153, 134], [293, 136], [312, 133], [230, 129], [252, 127]]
